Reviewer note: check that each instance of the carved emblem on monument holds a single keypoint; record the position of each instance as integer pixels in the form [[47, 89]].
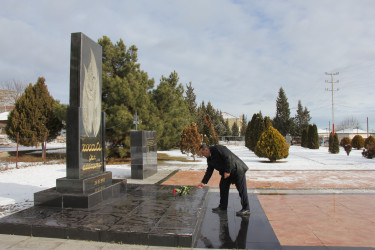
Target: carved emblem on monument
[[91, 100]]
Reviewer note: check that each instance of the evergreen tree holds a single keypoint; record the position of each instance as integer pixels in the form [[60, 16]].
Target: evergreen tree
[[190, 100], [33, 117], [333, 143], [190, 140], [126, 89], [272, 145], [201, 113], [209, 134], [173, 110], [304, 138], [243, 126], [216, 119], [267, 122], [228, 131], [255, 130], [247, 134], [281, 122], [235, 129], [301, 119], [60, 112], [313, 137]]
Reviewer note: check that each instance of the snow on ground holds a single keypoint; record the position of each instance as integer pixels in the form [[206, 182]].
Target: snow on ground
[[17, 186]]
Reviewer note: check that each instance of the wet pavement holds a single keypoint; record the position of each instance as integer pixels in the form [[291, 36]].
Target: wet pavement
[[226, 230], [146, 215]]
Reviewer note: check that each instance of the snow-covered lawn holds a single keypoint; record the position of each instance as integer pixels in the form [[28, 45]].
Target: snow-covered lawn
[[17, 186]]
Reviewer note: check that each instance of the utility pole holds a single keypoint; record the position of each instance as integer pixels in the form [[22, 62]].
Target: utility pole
[[332, 90]]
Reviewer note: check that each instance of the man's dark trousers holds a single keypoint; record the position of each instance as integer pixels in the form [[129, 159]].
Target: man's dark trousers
[[240, 182]]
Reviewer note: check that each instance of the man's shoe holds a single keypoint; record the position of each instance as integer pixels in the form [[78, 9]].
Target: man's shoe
[[243, 212], [218, 209]]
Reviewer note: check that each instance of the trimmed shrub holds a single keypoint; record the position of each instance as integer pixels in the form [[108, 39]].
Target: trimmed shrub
[[272, 145], [369, 140], [358, 142], [348, 148], [345, 141], [333, 143], [369, 152]]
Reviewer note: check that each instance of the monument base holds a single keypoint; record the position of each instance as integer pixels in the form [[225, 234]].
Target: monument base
[[145, 215], [52, 198]]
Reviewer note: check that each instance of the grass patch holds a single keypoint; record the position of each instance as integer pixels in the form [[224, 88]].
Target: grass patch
[[61, 158], [162, 157]]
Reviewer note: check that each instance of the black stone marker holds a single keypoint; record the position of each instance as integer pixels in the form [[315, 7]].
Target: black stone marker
[[143, 151], [86, 182]]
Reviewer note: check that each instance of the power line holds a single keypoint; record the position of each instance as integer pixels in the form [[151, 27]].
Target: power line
[[332, 90]]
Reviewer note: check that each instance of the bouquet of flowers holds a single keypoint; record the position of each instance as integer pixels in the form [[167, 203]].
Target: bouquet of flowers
[[183, 190]]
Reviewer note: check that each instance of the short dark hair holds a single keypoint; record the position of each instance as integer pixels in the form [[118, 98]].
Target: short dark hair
[[203, 146]]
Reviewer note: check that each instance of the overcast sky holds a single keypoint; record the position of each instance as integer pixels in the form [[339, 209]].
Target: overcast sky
[[237, 54]]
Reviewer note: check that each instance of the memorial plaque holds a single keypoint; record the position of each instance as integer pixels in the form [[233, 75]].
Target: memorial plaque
[[143, 151]]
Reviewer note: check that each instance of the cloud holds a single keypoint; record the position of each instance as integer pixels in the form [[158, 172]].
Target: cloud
[[237, 54]]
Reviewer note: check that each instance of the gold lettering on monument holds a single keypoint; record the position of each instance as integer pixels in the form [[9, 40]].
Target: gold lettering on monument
[[91, 166], [99, 181], [93, 147], [92, 158]]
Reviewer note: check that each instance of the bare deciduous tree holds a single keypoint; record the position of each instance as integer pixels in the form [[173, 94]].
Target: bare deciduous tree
[[16, 89], [349, 123]]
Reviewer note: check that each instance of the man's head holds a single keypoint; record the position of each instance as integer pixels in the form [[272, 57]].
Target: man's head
[[204, 150]]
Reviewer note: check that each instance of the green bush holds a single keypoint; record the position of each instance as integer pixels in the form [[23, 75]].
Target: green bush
[[333, 144], [345, 141], [369, 140], [358, 142], [272, 145], [369, 152]]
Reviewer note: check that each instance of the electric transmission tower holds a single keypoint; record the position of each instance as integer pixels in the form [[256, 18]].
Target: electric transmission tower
[[332, 90]]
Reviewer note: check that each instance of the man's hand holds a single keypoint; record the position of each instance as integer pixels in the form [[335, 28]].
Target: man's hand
[[200, 185], [226, 175]]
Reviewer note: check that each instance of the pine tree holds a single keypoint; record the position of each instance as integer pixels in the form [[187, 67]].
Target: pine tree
[[272, 145], [281, 122], [243, 125], [190, 100], [209, 134], [333, 143], [33, 116], [304, 138], [255, 130], [267, 122], [301, 119], [173, 110], [235, 129], [126, 90], [228, 131], [312, 137], [190, 140]]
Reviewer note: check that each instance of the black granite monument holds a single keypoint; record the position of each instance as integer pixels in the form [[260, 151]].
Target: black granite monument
[[86, 182], [88, 204], [143, 151]]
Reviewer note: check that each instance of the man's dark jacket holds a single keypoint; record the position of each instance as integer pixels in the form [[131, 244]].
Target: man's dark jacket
[[224, 161]]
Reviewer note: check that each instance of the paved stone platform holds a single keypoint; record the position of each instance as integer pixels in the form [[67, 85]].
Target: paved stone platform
[[146, 214], [226, 230]]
